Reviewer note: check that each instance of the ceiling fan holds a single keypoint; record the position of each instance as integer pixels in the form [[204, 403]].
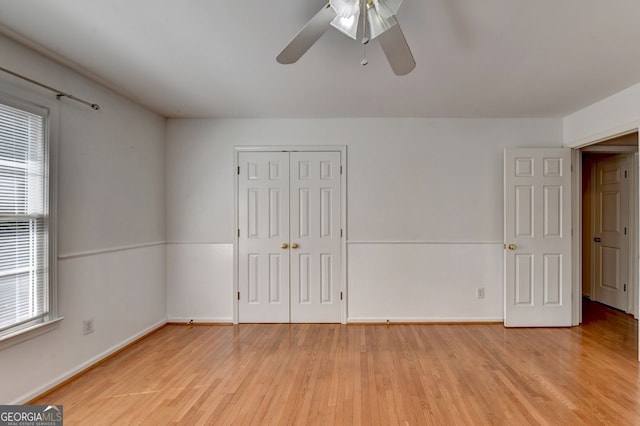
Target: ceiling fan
[[346, 15]]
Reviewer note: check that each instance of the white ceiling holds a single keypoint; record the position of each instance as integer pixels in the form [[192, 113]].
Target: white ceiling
[[213, 58]]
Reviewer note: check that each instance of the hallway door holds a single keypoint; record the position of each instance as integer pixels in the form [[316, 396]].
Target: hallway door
[[611, 239]]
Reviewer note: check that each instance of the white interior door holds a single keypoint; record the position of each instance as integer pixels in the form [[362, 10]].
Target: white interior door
[[611, 239], [289, 243], [263, 241], [315, 237], [537, 256]]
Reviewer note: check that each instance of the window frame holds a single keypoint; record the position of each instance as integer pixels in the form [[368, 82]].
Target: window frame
[[35, 103]]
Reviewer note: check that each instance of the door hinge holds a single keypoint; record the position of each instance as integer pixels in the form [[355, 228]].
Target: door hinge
[[238, 169], [341, 233], [238, 232], [625, 230], [625, 174], [238, 295], [340, 295], [572, 168], [340, 169], [625, 287]]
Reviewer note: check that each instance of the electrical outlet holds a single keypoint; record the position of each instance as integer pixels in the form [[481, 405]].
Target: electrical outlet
[[87, 326], [480, 293]]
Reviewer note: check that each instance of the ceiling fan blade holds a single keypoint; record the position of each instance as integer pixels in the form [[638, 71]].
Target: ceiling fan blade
[[307, 36], [397, 50]]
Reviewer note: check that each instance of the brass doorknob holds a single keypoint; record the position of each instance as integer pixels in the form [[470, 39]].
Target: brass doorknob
[[512, 247], [285, 245], [294, 245]]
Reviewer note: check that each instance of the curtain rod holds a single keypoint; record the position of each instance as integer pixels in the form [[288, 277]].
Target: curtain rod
[[59, 93]]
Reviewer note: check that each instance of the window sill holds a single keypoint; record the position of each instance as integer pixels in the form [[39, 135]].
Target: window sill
[[29, 333]]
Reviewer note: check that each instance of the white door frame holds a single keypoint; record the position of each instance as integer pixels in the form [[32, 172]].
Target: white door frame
[[577, 206], [343, 211]]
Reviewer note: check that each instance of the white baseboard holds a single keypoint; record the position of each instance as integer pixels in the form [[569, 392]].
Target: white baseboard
[[84, 366], [424, 320]]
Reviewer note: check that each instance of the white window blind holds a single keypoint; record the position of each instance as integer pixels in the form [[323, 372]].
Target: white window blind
[[24, 236]]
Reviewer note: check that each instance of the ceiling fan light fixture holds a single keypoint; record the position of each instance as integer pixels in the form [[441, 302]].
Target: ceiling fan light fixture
[[347, 25], [379, 24], [386, 8], [345, 8]]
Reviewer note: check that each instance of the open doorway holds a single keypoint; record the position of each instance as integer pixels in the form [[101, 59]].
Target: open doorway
[[609, 261]]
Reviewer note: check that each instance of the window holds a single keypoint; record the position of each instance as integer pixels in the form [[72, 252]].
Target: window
[[27, 278]]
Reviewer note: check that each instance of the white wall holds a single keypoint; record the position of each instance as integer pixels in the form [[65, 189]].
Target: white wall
[[609, 117], [111, 226], [424, 210], [201, 282]]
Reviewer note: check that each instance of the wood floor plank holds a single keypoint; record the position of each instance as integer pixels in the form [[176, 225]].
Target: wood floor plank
[[371, 375]]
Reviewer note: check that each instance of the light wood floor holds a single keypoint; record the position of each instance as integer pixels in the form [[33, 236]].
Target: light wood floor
[[369, 375]]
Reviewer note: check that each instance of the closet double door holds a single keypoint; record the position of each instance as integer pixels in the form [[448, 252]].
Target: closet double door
[[289, 243]]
